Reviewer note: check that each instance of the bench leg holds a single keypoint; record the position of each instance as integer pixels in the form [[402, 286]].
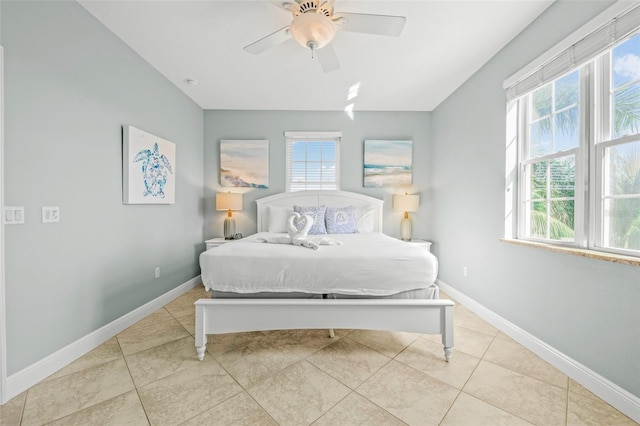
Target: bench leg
[[201, 350], [201, 337]]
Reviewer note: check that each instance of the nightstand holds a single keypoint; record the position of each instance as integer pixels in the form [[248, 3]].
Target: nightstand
[[216, 242], [421, 243]]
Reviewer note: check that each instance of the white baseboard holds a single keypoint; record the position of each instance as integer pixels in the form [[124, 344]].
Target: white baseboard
[[31, 375], [613, 394]]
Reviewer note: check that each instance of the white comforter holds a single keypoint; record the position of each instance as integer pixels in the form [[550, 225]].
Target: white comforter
[[365, 264]]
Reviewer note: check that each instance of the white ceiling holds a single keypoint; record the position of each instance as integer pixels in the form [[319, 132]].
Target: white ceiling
[[443, 43]]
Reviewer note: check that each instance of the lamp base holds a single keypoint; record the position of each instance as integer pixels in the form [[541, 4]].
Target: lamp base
[[229, 228], [405, 229]]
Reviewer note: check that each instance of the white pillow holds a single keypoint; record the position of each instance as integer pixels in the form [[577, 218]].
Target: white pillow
[[278, 217], [365, 218]]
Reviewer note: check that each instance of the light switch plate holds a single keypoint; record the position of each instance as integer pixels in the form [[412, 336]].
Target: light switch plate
[[50, 214], [13, 215]]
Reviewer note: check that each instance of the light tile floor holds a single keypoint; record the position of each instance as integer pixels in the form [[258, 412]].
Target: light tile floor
[[149, 374]]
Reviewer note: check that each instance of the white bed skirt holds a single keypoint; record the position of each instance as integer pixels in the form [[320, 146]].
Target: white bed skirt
[[431, 292]]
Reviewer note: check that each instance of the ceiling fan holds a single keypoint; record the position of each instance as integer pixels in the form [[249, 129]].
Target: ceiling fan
[[315, 24]]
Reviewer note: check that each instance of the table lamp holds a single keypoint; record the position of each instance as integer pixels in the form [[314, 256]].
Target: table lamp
[[228, 201], [406, 203]]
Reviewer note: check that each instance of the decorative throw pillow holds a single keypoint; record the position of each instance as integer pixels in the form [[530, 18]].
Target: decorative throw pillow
[[317, 213], [278, 218], [341, 220]]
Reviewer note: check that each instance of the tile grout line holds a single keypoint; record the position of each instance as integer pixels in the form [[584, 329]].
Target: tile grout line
[[521, 374], [245, 390], [300, 358], [260, 405], [478, 364], [173, 317], [369, 378], [154, 381], [135, 386], [160, 344], [24, 405], [467, 381], [506, 368], [461, 390], [340, 381], [450, 407], [108, 399], [566, 412], [462, 387], [331, 408], [352, 390]]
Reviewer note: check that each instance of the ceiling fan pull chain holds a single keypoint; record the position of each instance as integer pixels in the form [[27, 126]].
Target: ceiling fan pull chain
[[312, 46]]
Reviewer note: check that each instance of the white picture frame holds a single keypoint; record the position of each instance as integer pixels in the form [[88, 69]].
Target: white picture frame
[[148, 167]]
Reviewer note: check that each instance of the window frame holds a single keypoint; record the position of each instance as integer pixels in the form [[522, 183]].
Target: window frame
[[308, 137], [600, 220], [581, 164], [603, 139], [595, 138]]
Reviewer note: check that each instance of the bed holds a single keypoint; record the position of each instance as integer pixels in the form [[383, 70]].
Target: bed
[[363, 280]]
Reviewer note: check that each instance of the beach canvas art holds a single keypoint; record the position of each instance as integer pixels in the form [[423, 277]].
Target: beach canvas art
[[387, 163], [244, 163], [149, 168]]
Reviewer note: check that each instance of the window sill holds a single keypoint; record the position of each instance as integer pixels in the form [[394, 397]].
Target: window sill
[[591, 254]]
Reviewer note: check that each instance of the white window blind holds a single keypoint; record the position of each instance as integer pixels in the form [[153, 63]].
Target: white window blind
[[313, 160], [579, 48], [578, 145]]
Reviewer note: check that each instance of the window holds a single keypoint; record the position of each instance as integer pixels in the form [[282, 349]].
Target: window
[[313, 160], [550, 149], [578, 140], [618, 150]]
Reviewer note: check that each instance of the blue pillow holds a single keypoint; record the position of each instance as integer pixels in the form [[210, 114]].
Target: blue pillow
[[317, 213], [341, 220]]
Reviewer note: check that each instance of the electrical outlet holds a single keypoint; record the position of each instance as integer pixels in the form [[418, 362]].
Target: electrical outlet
[[157, 272], [50, 214], [464, 271]]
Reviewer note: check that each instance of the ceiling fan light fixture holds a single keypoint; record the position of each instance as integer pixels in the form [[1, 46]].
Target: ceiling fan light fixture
[[312, 30]]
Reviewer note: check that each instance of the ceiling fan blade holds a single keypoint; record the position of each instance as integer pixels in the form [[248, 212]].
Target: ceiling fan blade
[[387, 25], [328, 58], [269, 41], [287, 5]]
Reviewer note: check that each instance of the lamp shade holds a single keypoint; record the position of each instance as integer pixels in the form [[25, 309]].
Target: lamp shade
[[406, 202], [312, 30], [228, 201]]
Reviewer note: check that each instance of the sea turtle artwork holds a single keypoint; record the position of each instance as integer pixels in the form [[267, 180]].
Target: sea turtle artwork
[[149, 168], [155, 171]]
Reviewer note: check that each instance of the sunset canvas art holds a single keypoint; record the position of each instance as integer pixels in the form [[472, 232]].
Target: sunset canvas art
[[244, 163]]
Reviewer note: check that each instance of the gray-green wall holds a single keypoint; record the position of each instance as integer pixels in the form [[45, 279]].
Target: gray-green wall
[[70, 86], [271, 125], [588, 309]]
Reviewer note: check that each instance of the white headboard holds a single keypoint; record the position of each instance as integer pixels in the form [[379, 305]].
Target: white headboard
[[318, 198]]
